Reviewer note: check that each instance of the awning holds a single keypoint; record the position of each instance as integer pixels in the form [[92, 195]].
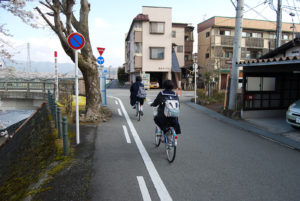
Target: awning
[[175, 64]]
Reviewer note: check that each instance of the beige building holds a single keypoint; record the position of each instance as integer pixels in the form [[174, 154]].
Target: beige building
[[215, 43], [156, 46]]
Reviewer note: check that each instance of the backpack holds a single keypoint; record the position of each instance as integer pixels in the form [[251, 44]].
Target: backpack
[[141, 92], [171, 108]]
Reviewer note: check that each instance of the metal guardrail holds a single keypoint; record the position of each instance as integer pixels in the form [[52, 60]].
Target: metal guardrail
[[26, 86]]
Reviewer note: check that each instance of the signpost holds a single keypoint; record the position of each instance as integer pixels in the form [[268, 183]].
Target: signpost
[[102, 78], [76, 41], [100, 50]]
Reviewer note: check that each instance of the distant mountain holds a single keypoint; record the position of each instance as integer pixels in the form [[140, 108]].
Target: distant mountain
[[48, 67], [41, 67]]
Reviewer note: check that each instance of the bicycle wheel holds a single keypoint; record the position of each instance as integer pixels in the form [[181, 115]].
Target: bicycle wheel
[[157, 138], [170, 147], [138, 111]]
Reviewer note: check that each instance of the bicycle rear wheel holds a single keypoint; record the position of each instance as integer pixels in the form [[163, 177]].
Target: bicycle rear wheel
[[157, 138], [170, 147]]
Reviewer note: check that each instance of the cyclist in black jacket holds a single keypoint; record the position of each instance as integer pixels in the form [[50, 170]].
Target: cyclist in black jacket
[[160, 119], [134, 91]]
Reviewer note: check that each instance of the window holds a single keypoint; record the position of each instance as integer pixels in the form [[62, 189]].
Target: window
[[256, 35], [173, 34], [246, 34], [157, 27], [228, 54], [224, 32], [272, 36], [138, 48], [157, 52], [207, 34], [180, 48], [207, 55], [285, 37], [261, 84]]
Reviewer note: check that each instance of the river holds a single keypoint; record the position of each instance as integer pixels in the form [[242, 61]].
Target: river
[[9, 117]]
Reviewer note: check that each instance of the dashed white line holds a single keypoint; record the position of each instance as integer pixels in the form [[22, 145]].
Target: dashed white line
[[116, 102], [119, 111], [126, 134], [143, 188], [157, 181]]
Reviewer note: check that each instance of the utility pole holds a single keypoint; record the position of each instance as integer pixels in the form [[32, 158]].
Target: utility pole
[[236, 53], [278, 24], [28, 59]]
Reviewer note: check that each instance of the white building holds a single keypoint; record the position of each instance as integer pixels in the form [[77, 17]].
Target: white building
[[156, 46]]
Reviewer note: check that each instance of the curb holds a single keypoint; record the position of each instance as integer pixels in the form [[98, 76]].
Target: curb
[[245, 126]]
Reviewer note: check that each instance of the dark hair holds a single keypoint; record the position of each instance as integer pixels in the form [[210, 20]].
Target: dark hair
[[138, 78], [168, 84]]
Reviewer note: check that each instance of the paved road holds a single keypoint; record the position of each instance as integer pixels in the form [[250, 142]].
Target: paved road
[[215, 161]]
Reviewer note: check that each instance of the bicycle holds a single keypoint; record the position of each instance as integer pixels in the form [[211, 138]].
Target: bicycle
[[138, 109], [169, 139]]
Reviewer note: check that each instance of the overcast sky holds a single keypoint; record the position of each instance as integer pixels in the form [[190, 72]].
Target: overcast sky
[[110, 20]]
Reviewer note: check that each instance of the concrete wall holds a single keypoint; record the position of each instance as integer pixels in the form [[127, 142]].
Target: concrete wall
[[179, 41], [262, 113], [24, 156], [157, 14]]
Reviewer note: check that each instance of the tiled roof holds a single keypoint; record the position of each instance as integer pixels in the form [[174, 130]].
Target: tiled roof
[[269, 60], [141, 17]]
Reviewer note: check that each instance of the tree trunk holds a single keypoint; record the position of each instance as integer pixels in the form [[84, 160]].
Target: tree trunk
[[92, 88]]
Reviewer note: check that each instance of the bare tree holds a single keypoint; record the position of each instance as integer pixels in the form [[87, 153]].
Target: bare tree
[[59, 15], [86, 60]]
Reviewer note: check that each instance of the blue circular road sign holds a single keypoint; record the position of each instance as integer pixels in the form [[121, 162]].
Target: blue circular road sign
[[76, 41], [100, 60]]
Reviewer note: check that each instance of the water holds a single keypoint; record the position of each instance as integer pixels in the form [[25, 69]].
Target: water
[[10, 117]]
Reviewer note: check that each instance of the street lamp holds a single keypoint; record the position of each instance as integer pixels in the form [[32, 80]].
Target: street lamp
[[195, 66], [293, 26]]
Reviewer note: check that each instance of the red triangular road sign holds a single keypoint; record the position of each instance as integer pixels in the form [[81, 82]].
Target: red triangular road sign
[[100, 50]]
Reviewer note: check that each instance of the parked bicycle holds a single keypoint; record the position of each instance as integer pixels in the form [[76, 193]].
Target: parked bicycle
[[169, 139]]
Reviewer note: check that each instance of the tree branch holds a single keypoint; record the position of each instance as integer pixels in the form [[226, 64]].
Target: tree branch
[[46, 19]]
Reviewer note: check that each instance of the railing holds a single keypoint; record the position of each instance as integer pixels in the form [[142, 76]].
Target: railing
[[26, 86]]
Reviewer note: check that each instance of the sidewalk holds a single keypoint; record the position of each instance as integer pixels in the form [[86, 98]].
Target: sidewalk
[[275, 129]]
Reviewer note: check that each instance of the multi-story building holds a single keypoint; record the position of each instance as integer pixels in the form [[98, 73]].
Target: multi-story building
[[156, 46], [215, 43]]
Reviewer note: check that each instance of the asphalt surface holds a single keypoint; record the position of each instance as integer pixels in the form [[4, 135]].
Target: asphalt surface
[[215, 160]]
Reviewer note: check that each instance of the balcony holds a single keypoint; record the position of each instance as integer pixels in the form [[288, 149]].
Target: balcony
[[254, 42], [188, 46], [226, 41], [188, 63], [137, 62], [138, 36]]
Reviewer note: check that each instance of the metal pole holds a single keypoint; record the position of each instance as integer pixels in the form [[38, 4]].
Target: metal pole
[[56, 77], [76, 94], [65, 135], [59, 122], [195, 82], [278, 24], [236, 54]]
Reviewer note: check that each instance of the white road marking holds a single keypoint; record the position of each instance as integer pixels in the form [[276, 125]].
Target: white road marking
[[126, 134], [116, 102], [158, 183], [119, 111], [143, 188]]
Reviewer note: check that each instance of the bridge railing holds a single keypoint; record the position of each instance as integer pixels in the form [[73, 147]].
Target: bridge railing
[[26, 86]]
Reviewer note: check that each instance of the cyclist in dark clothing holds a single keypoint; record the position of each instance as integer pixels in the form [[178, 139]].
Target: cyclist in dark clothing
[[160, 119], [134, 91]]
